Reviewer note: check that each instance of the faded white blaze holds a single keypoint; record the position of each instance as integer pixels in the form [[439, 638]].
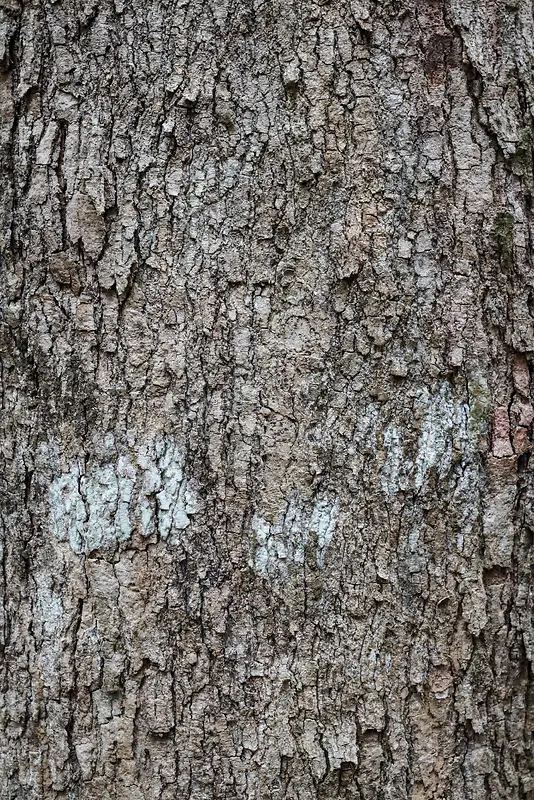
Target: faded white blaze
[[101, 506], [282, 544]]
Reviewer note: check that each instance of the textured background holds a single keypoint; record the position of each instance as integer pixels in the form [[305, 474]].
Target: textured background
[[268, 304]]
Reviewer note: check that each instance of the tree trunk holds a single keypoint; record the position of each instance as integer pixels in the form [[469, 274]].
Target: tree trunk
[[267, 507]]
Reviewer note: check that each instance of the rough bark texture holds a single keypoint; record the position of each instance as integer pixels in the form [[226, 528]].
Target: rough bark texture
[[267, 506]]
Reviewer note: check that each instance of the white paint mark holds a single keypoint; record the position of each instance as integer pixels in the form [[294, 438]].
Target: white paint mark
[[281, 544], [444, 437], [102, 506], [324, 520], [435, 446], [171, 498], [397, 466], [67, 509]]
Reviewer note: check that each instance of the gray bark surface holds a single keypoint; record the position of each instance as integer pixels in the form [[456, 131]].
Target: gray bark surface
[[268, 324]]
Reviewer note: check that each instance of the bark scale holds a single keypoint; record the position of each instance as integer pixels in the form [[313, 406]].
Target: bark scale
[[268, 296]]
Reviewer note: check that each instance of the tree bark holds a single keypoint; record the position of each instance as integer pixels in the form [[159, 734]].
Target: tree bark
[[267, 507]]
